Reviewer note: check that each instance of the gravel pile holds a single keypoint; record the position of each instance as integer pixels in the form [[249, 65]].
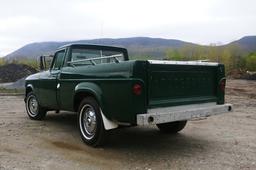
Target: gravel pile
[[14, 72]]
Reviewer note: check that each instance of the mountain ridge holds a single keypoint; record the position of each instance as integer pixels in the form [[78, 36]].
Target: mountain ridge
[[137, 46]]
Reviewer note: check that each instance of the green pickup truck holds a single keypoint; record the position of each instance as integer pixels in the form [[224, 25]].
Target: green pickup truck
[[107, 90]]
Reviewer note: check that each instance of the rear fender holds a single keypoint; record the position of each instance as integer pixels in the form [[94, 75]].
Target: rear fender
[[94, 90], [90, 88]]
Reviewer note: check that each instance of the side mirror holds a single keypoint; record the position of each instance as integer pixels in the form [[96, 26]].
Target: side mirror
[[45, 62], [42, 63]]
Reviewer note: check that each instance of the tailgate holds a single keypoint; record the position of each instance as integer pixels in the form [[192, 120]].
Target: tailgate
[[177, 83]]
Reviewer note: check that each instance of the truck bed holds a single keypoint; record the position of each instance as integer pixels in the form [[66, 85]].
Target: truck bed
[[174, 83]]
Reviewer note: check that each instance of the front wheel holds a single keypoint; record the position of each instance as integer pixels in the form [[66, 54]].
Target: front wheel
[[90, 122], [172, 127], [33, 108]]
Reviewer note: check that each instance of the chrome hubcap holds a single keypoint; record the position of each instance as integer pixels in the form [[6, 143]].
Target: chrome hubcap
[[88, 121], [32, 106]]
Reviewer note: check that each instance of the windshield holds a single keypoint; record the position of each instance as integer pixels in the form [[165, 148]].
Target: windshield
[[80, 56]]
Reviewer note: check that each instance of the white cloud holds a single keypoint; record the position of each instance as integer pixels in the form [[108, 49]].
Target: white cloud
[[199, 21]]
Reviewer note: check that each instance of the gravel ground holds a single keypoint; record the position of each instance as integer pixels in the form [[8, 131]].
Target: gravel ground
[[222, 142]]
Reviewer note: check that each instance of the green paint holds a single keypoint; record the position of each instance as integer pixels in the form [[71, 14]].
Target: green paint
[[111, 84]]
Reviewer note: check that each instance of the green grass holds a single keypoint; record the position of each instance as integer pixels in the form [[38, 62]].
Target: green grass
[[142, 57], [30, 62], [4, 90]]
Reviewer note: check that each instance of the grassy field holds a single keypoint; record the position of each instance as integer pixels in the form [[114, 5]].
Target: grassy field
[[8, 91]]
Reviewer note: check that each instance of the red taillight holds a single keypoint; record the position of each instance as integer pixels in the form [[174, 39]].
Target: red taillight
[[137, 89], [222, 85]]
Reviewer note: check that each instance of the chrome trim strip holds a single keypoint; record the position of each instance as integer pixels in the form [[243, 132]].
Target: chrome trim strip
[[200, 63]]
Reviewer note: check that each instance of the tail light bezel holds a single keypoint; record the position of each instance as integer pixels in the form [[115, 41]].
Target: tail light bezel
[[222, 84], [137, 89]]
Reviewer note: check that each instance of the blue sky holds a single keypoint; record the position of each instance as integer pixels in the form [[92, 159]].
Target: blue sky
[[198, 21]]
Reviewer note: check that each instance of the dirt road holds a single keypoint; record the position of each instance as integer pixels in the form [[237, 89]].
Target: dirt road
[[221, 142]]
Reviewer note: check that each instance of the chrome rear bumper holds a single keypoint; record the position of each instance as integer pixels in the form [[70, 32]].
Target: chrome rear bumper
[[179, 113]]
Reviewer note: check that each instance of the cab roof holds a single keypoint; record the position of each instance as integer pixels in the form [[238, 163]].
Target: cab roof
[[92, 46]]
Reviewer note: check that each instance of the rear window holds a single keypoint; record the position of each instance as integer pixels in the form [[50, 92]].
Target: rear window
[[80, 56]]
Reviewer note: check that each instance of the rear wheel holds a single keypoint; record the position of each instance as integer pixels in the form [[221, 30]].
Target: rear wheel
[[172, 127], [90, 122], [33, 108]]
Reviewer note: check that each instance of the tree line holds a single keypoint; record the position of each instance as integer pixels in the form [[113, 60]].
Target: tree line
[[232, 56]]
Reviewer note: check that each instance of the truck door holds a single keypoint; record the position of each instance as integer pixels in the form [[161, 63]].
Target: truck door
[[49, 82]]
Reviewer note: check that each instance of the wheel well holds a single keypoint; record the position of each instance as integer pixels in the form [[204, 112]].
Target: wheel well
[[28, 90], [79, 97]]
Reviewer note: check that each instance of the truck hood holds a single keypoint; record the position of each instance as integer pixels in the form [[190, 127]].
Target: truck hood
[[34, 76]]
